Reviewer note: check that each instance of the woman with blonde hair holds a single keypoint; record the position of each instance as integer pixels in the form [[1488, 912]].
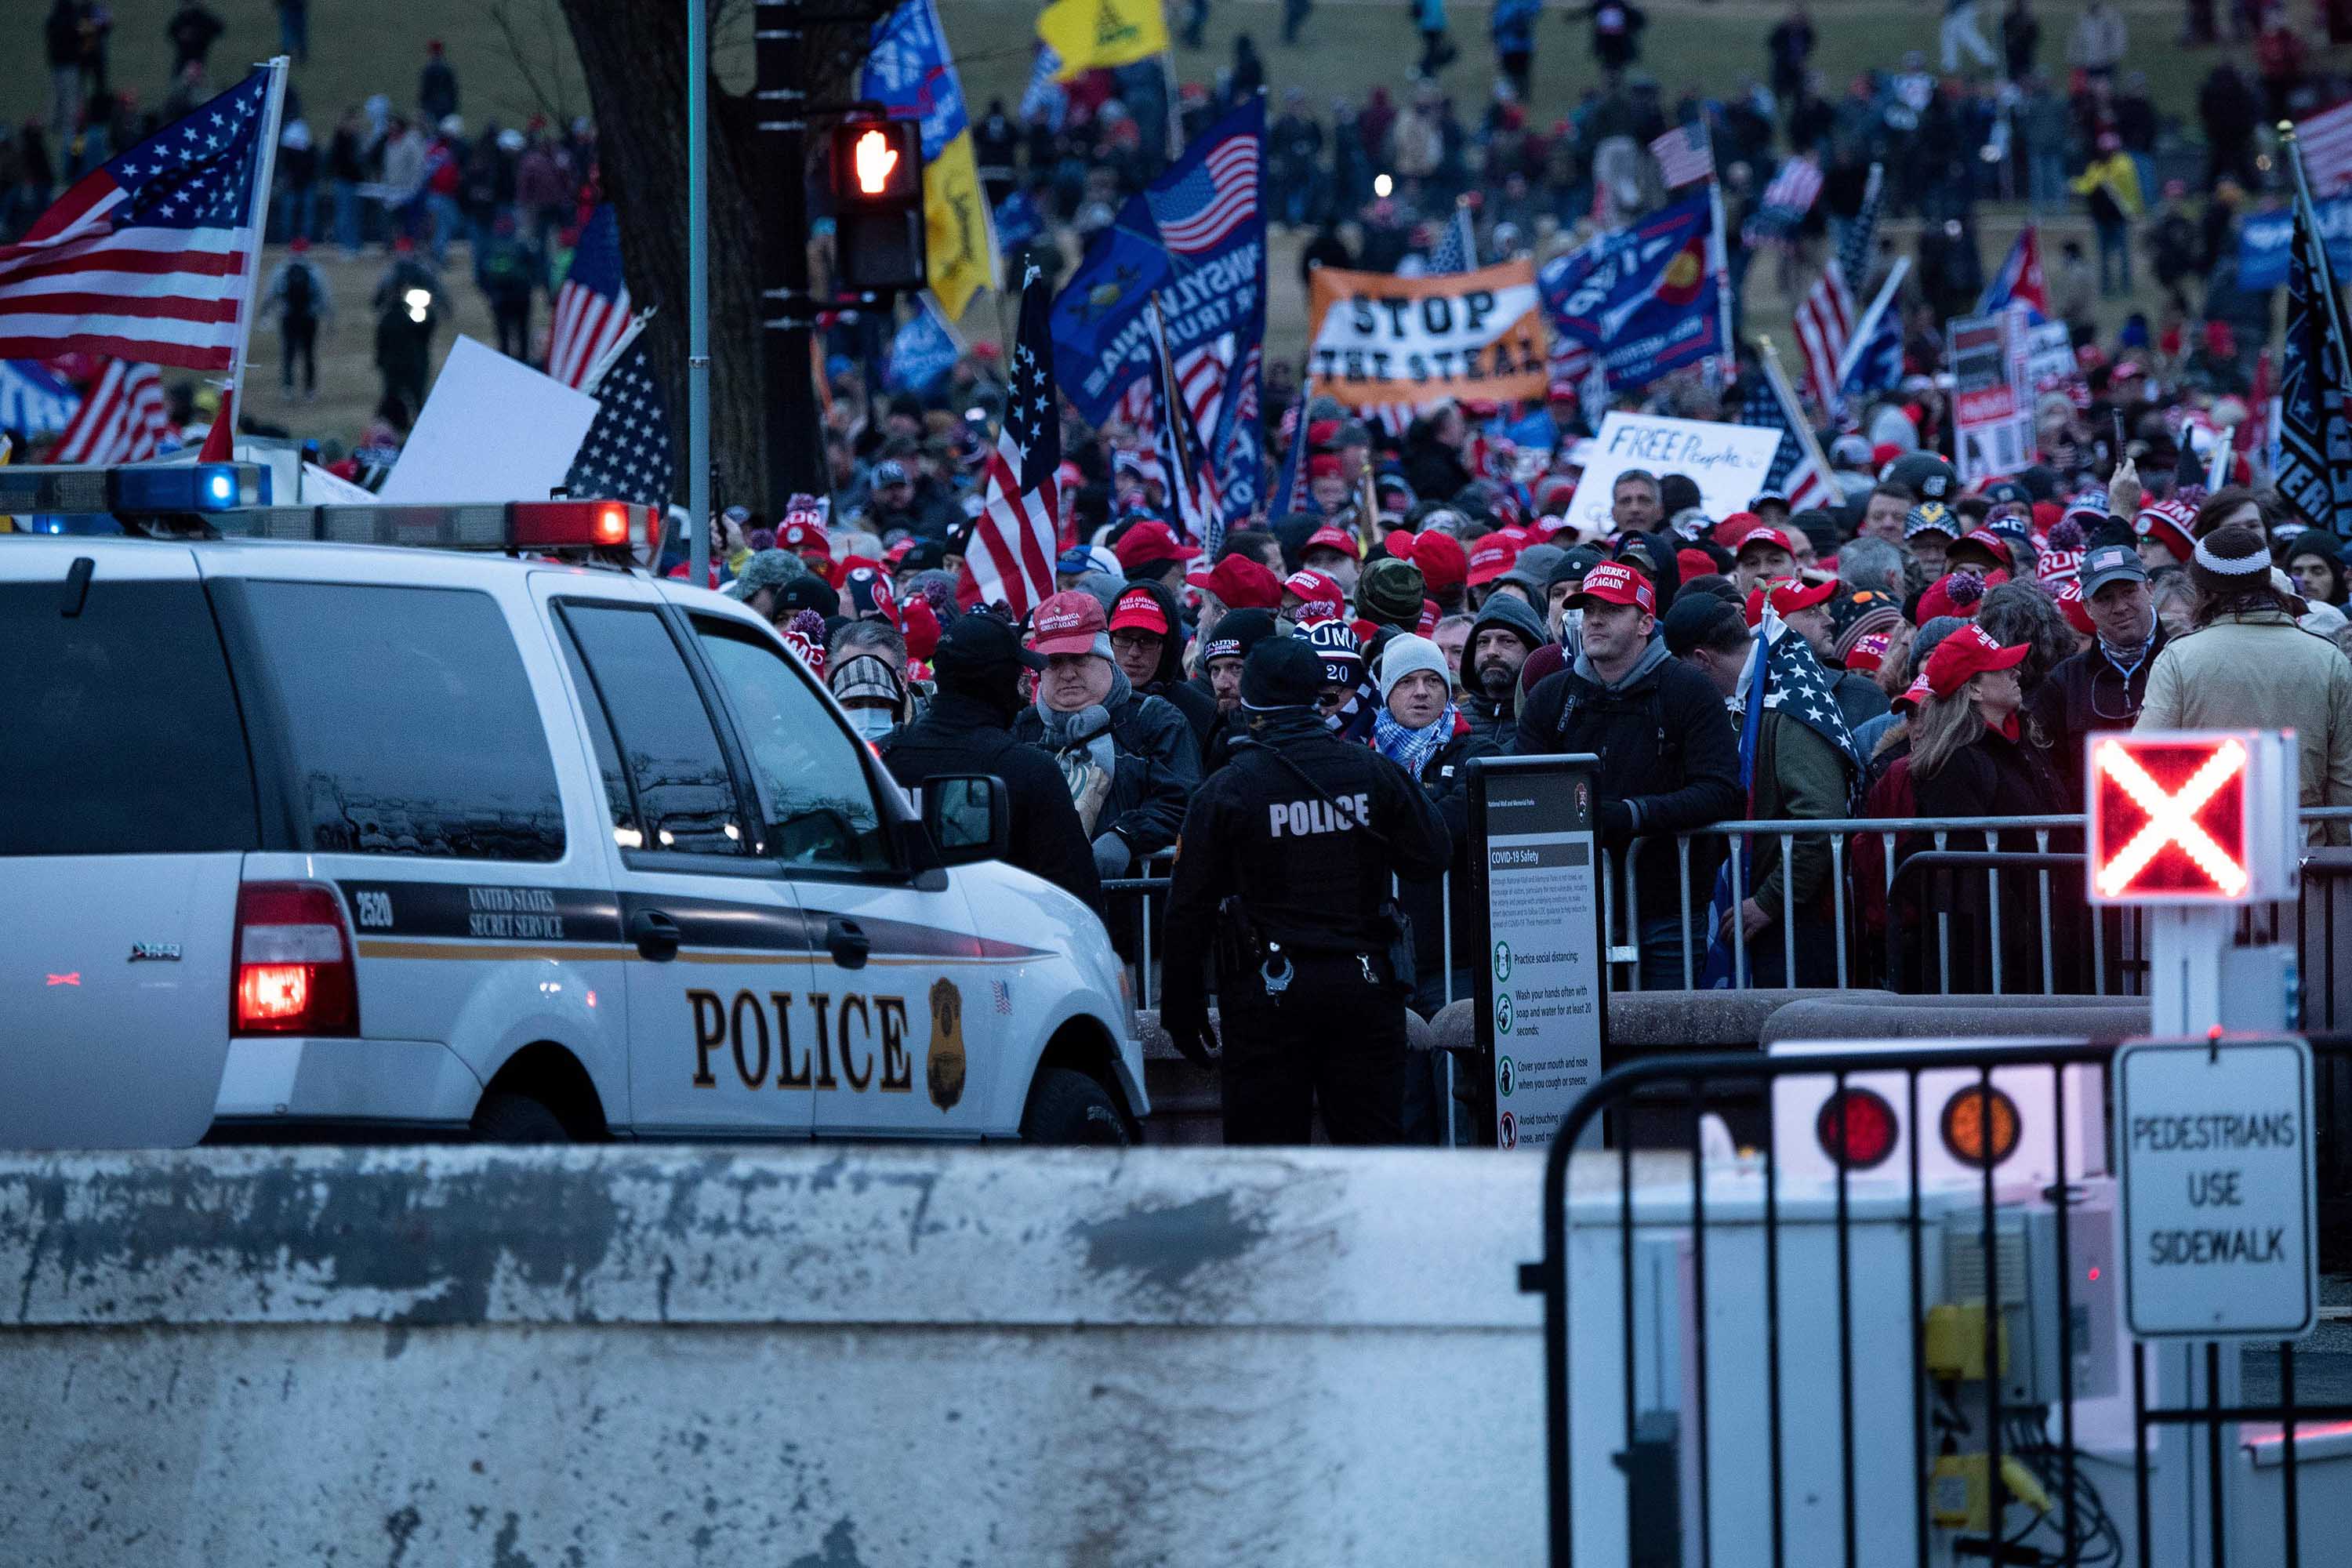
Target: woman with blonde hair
[[1975, 755]]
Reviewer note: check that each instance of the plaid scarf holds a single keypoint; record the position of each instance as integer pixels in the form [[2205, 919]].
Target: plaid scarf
[[1412, 748]]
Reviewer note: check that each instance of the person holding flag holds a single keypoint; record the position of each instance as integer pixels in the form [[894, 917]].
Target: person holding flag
[[1798, 761]]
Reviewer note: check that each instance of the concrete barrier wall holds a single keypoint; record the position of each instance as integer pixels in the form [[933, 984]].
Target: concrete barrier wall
[[814, 1358]]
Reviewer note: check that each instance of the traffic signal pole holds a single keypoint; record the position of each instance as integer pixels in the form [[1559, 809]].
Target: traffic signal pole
[[788, 311], [698, 290]]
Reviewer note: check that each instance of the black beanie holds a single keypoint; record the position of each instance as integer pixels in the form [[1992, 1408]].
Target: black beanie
[[1281, 672]]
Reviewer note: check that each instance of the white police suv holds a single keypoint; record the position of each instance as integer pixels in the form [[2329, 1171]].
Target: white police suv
[[312, 839]]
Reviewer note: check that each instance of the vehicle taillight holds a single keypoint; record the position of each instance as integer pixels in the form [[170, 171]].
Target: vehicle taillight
[[294, 969], [1856, 1128]]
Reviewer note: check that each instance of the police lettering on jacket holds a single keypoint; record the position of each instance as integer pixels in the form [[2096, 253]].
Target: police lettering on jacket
[[1298, 819]]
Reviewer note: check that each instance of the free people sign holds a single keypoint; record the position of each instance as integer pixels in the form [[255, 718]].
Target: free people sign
[[1728, 462], [2219, 1239]]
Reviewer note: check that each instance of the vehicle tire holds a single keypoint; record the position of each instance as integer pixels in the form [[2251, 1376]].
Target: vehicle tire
[[1067, 1106], [507, 1118]]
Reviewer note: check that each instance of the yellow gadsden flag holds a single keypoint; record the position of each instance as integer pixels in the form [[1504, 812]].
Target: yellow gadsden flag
[[1090, 32]]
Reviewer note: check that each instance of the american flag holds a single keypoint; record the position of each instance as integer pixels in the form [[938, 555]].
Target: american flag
[[1192, 478], [592, 309], [1014, 539], [1827, 316], [121, 419], [2325, 140], [626, 456], [1786, 200], [148, 257], [1215, 197], [1684, 156], [1456, 249], [1792, 473]]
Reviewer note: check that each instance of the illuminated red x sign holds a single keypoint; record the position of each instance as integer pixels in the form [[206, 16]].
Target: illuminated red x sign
[[2167, 820]]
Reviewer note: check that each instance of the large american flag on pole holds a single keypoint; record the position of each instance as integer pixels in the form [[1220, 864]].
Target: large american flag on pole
[[148, 256], [592, 309], [1014, 538], [1191, 477], [121, 419], [1826, 317]]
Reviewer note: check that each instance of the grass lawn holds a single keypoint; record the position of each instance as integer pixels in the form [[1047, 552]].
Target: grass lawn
[[514, 58]]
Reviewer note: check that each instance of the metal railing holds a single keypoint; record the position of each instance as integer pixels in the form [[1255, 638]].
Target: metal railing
[[1935, 879], [1803, 1421]]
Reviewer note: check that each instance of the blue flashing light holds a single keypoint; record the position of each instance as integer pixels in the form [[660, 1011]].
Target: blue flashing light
[[151, 487]]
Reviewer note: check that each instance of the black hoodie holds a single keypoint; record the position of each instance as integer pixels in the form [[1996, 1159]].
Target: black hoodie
[[1199, 707]]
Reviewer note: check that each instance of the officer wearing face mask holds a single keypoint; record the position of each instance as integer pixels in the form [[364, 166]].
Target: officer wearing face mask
[[968, 729], [1284, 871]]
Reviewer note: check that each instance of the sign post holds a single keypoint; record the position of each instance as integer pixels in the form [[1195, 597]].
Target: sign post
[[1542, 995], [2218, 1240]]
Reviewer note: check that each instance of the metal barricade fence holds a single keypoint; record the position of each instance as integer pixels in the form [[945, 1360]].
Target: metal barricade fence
[[1848, 1344], [1951, 875]]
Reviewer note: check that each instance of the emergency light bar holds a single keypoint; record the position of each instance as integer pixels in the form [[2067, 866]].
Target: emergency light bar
[[490, 525], [134, 489]]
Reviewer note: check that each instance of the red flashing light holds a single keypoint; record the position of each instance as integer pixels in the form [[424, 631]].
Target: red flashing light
[[2169, 819], [570, 524], [294, 969], [1856, 1128]]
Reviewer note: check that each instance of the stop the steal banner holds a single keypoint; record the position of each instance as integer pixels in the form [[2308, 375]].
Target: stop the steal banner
[[1378, 338]]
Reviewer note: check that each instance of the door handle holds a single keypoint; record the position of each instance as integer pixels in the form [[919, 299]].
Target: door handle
[[847, 941], [656, 934]]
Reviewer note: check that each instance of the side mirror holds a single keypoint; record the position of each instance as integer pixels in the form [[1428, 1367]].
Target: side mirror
[[969, 816]]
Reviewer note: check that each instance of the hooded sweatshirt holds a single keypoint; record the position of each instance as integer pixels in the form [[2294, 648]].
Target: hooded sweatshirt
[[1198, 705], [1493, 719]]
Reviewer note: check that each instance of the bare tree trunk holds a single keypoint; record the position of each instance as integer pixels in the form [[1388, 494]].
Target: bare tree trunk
[[633, 56]]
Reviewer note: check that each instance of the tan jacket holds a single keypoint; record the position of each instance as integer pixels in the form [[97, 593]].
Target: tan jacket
[[2261, 671]]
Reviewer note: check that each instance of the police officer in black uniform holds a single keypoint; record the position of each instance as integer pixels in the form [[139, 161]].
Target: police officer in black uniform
[[1284, 869]]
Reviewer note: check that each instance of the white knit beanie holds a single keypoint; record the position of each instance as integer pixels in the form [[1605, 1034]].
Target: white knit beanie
[[1406, 654]]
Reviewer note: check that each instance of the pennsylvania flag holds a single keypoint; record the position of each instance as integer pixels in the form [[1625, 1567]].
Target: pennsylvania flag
[[910, 71], [1090, 32]]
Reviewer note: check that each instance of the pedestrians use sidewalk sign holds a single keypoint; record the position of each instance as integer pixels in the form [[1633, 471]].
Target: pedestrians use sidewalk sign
[[2220, 1239]]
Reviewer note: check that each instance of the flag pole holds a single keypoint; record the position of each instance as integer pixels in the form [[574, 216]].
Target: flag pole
[[1769, 359], [2217, 466], [1719, 253], [220, 442], [2308, 213], [1867, 328]]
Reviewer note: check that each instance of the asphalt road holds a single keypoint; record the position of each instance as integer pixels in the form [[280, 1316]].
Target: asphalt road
[[2323, 1363]]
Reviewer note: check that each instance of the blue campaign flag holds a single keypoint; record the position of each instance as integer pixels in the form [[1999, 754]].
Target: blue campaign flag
[[34, 400], [1018, 221], [1214, 286], [1101, 319], [1879, 365], [1642, 298], [922, 352], [910, 66], [2266, 239], [1532, 431]]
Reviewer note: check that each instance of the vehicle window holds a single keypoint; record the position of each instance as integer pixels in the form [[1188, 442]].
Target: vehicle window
[[626, 830], [684, 795], [119, 728], [410, 721], [813, 792]]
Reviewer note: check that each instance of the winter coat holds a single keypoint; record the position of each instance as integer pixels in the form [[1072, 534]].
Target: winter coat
[[1158, 768], [2259, 671], [1445, 777], [1196, 702], [960, 734], [1993, 776], [1668, 763], [1497, 722], [1799, 776], [2083, 693]]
